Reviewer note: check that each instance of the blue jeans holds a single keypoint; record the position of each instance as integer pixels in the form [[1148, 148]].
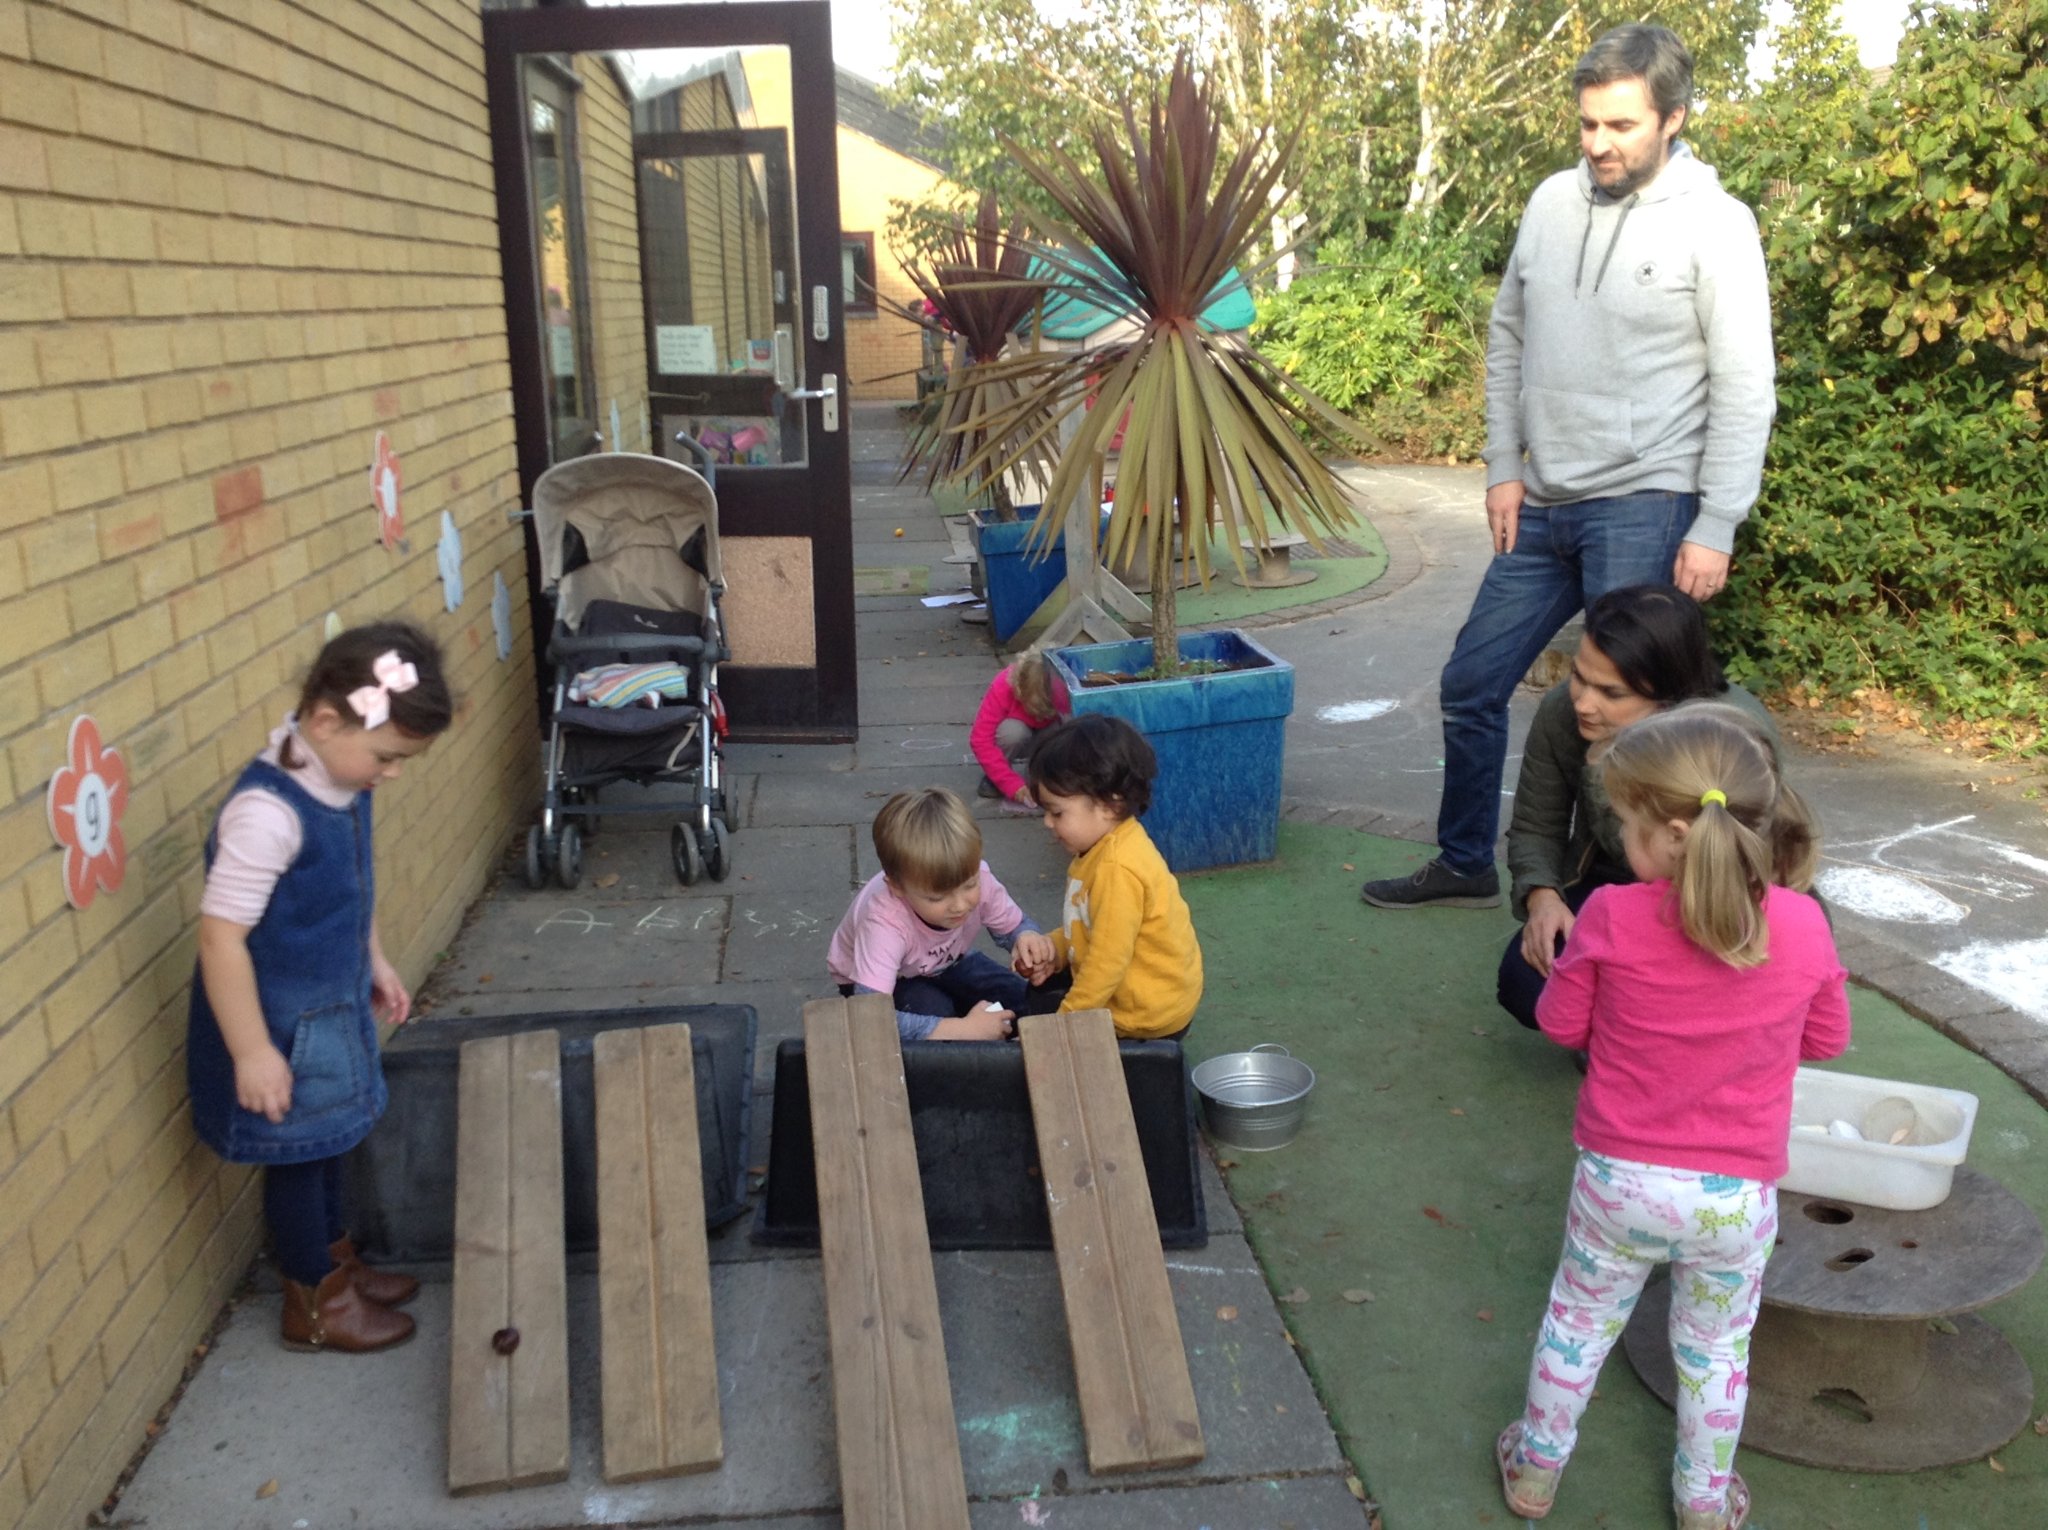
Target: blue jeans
[[1565, 556]]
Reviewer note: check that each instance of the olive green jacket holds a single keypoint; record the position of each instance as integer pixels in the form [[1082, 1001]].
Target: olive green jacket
[[1564, 831]]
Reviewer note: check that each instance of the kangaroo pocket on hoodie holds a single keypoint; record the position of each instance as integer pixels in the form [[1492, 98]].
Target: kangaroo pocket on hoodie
[[1576, 441]]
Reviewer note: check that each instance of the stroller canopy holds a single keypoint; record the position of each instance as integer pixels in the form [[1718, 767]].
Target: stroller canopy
[[648, 527]]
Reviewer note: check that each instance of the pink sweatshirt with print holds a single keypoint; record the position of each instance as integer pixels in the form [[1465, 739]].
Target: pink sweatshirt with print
[[1690, 1060]]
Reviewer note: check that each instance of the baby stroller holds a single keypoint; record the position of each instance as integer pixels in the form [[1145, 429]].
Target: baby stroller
[[629, 550]]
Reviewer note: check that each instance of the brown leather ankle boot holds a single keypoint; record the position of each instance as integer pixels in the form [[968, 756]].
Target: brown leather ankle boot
[[384, 1287], [335, 1315]]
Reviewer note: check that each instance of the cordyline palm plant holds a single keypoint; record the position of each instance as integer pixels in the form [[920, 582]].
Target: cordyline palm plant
[[978, 289], [1216, 434]]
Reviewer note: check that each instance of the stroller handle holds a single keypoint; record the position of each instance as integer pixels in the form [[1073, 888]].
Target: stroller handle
[[564, 647], [706, 464]]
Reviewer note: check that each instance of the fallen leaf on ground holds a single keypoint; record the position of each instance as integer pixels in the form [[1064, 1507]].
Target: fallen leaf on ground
[[1226, 1163], [1357, 1488], [1349, 867], [1357, 1295], [1296, 1297], [2041, 1424], [486, 977], [609, 879], [1456, 1111], [1994, 1463], [1440, 1219], [1484, 1314], [268, 1490], [1226, 1314], [1279, 1407]]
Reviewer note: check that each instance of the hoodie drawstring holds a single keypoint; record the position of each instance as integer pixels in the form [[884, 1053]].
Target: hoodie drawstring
[[1612, 240]]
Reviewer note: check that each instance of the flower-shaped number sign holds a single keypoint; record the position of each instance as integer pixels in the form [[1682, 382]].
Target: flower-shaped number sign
[[87, 798], [385, 481]]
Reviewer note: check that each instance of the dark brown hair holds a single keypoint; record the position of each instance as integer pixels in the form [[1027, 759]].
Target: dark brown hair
[[1095, 755], [347, 663]]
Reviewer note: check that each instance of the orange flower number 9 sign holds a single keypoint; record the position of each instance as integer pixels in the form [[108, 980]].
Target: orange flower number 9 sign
[[87, 798]]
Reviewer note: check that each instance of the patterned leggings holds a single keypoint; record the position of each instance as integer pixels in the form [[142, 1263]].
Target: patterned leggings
[[1717, 1232]]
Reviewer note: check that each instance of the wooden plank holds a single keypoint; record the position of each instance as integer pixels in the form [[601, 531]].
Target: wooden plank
[[899, 1449], [654, 1272], [508, 1405], [1137, 1400]]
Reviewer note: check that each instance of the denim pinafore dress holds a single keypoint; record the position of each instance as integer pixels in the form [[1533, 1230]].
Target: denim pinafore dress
[[311, 951]]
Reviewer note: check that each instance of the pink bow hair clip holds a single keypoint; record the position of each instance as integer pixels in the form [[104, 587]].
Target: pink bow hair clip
[[372, 703]]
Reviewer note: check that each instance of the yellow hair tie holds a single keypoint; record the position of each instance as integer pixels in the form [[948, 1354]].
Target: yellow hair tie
[[1713, 794]]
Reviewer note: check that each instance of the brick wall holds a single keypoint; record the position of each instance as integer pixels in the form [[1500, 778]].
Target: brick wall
[[612, 224], [237, 237]]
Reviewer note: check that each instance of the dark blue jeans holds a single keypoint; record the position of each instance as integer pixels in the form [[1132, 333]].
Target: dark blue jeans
[[972, 980], [1565, 556]]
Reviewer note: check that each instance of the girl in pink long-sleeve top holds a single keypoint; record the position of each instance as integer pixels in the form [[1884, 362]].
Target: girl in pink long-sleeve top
[[1022, 699], [1695, 992]]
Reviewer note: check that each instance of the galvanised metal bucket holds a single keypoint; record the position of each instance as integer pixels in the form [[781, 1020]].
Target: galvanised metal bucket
[[1254, 1100]]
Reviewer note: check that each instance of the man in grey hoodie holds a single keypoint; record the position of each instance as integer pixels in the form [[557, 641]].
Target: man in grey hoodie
[[1629, 394]]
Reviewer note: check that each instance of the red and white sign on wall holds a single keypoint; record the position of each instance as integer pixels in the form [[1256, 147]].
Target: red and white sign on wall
[[385, 483], [87, 797]]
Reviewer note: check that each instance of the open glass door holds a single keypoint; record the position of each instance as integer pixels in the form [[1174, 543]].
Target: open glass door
[[672, 175]]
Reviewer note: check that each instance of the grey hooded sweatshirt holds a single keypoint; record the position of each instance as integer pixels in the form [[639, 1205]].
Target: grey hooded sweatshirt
[[1631, 348]]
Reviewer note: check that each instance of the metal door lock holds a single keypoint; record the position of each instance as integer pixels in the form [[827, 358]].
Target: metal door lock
[[829, 394]]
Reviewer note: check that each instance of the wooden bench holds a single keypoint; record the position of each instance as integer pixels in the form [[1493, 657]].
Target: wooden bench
[[508, 1398], [654, 1274], [899, 1448], [1137, 1400]]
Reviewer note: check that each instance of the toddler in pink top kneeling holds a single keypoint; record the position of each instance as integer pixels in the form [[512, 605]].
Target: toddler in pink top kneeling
[[912, 927], [1695, 993], [1020, 701]]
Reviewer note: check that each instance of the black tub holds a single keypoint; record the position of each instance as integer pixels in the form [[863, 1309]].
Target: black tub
[[977, 1154], [402, 1179]]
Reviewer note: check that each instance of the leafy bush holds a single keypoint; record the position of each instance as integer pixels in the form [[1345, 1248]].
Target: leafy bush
[[1393, 335], [1899, 545]]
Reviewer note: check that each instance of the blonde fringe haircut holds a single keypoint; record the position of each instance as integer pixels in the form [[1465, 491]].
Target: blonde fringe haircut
[[1031, 680], [1660, 768], [927, 841]]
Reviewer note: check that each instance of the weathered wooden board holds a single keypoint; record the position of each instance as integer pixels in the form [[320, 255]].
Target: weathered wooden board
[[508, 1398], [1137, 1400], [899, 1447], [654, 1273]]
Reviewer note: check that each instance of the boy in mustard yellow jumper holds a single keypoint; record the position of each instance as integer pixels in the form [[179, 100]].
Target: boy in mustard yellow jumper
[[1124, 933]]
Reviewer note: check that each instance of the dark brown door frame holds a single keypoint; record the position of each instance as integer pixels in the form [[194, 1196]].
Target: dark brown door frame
[[815, 705]]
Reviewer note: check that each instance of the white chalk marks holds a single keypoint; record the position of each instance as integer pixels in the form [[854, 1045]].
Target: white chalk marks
[[1944, 857], [2015, 971], [1886, 895], [1356, 711], [790, 924]]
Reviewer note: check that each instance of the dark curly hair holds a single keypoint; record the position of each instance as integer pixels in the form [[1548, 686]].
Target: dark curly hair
[[1095, 755]]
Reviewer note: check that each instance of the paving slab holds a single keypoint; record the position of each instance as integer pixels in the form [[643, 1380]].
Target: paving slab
[[575, 941], [893, 700], [790, 801], [802, 759], [1014, 1399]]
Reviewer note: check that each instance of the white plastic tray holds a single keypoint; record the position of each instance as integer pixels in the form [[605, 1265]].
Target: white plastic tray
[[1909, 1175]]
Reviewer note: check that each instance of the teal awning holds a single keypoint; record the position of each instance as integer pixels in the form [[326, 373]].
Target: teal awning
[[1068, 316]]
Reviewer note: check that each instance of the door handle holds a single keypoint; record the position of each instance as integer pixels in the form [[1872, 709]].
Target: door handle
[[829, 394]]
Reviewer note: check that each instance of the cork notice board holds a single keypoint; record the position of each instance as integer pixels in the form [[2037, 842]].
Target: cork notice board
[[768, 615]]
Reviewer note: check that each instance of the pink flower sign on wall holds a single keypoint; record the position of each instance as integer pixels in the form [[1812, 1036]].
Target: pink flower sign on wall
[[87, 797]]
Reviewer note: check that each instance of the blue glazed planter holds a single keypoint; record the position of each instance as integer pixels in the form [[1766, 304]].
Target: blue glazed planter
[[1220, 739], [1016, 577]]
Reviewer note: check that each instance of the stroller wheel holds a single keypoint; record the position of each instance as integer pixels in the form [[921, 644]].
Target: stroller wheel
[[682, 849], [569, 857], [580, 797], [536, 866], [718, 851]]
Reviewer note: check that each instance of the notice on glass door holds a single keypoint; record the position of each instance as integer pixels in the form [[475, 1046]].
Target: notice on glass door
[[686, 348]]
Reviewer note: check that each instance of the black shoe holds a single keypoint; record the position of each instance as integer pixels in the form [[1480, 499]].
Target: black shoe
[[988, 788], [1435, 884]]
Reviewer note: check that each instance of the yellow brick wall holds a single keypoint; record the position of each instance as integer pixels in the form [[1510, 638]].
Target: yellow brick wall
[[883, 352], [237, 237]]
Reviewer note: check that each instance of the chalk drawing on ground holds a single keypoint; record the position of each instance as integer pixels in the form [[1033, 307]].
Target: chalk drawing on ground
[[1356, 711], [1944, 859], [1887, 895], [2015, 971]]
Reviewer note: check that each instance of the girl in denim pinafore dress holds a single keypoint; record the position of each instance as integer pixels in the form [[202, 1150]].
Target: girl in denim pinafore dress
[[281, 1046]]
